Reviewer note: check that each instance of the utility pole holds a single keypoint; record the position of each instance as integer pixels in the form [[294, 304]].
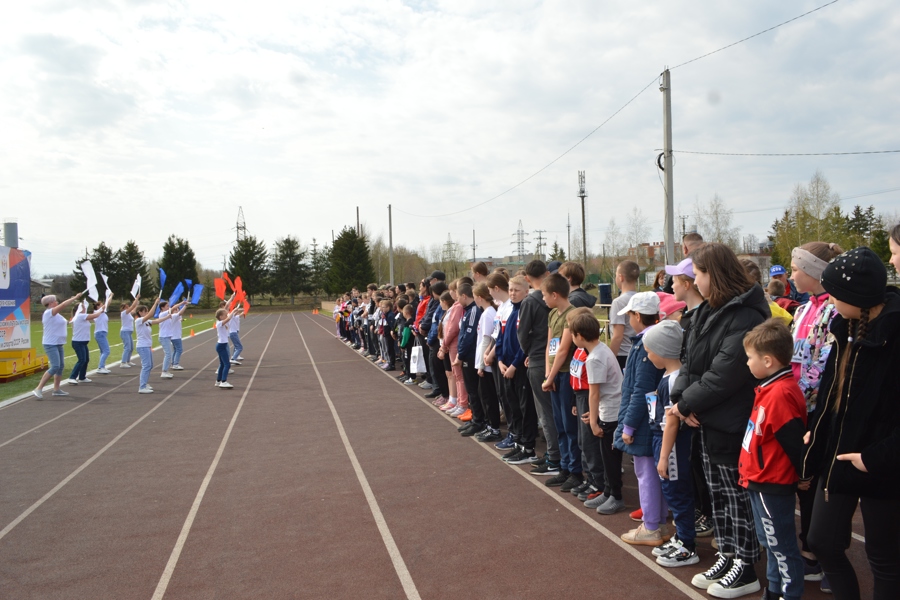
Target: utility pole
[[666, 88], [583, 194], [473, 246], [569, 236], [332, 238], [390, 242], [358, 230], [540, 241]]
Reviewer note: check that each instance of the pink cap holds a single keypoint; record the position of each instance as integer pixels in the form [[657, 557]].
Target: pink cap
[[668, 304]]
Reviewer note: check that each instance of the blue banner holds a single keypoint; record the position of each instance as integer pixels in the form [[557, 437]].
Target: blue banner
[[15, 298]]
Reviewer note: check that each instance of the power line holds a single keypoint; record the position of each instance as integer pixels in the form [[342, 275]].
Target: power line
[[787, 153], [752, 36]]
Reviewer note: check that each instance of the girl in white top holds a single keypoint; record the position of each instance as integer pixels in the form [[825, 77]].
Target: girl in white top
[[223, 317], [177, 346], [486, 386], [55, 332], [81, 337], [143, 322], [101, 334], [166, 331], [127, 331]]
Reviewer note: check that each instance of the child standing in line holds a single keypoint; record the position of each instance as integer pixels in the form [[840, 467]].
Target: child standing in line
[[633, 432], [449, 348], [559, 351], [671, 446], [627, 274], [177, 335], [234, 334], [127, 331], [143, 325], [101, 335], [467, 344], [223, 317], [591, 459], [605, 380], [487, 388], [443, 356], [407, 340], [771, 454], [498, 286]]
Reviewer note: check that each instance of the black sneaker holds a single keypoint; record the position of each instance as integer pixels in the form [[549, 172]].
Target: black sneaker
[[574, 480], [512, 453], [547, 468], [739, 581], [524, 457], [703, 526], [558, 479], [464, 426], [716, 572], [580, 487], [590, 489], [473, 430], [489, 435], [433, 393]]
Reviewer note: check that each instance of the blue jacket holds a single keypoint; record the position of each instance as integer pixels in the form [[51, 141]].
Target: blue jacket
[[432, 333], [509, 352], [468, 334], [640, 378]]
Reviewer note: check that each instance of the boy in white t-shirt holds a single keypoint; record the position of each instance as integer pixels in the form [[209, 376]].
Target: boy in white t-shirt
[[627, 273]]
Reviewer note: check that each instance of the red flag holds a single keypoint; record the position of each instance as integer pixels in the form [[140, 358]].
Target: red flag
[[228, 279], [238, 284], [246, 308], [220, 288]]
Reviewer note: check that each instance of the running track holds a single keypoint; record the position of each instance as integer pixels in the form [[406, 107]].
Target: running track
[[317, 476]]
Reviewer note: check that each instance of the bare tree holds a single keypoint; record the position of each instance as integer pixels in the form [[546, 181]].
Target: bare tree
[[636, 231], [714, 223], [613, 240]]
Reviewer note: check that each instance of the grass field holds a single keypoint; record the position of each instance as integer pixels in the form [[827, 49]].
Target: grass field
[[26, 384]]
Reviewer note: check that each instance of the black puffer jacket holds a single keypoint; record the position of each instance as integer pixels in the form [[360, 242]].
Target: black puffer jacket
[[715, 382], [869, 420], [578, 298], [532, 329]]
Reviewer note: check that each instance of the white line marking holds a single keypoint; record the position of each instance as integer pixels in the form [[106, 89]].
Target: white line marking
[[406, 579], [89, 461], [195, 507], [647, 562]]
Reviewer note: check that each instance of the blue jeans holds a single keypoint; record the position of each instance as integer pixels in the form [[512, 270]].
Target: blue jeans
[[236, 342], [57, 358], [178, 348], [103, 342], [166, 343], [678, 489], [146, 355], [773, 515], [127, 345], [224, 362], [562, 401], [79, 371]]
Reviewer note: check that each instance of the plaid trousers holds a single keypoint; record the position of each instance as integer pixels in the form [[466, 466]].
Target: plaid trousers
[[731, 513]]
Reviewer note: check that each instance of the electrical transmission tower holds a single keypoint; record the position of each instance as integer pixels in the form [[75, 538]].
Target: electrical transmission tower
[[520, 242], [540, 242], [448, 252], [241, 226], [584, 234]]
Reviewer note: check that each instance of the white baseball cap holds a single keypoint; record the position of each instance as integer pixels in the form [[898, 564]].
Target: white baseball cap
[[645, 303]]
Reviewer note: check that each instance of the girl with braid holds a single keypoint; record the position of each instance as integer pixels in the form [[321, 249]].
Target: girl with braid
[[854, 438]]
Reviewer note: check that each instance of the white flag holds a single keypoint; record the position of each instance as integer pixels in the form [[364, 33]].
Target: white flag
[[93, 294], [88, 269], [136, 288]]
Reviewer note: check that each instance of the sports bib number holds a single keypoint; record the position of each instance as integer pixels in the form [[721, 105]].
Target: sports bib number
[[553, 346], [748, 435]]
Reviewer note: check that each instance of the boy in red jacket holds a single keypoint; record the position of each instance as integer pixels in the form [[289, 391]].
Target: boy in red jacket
[[769, 464]]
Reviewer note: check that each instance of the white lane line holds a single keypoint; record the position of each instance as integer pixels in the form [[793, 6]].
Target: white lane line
[[406, 579], [89, 461], [195, 507], [613, 537]]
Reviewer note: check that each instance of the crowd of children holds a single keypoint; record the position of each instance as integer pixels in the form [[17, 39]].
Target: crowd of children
[[710, 383]]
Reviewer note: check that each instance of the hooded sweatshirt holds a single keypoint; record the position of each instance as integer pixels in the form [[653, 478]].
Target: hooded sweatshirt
[[532, 328], [578, 298]]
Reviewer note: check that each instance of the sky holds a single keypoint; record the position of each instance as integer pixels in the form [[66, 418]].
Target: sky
[[135, 119]]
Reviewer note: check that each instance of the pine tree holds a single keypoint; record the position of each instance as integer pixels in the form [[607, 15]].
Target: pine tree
[[289, 273], [557, 253], [179, 263], [103, 260], [249, 261], [319, 265], [131, 263], [351, 264]]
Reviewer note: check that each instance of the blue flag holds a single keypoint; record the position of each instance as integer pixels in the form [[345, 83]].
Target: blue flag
[[176, 295], [198, 289], [162, 280]]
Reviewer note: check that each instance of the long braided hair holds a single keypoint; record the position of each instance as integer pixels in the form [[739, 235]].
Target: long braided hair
[[857, 329]]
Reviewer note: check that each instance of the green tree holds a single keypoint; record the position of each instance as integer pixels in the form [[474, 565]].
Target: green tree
[[179, 263], [319, 265], [131, 263], [103, 260], [557, 253], [249, 261], [288, 271], [351, 264]]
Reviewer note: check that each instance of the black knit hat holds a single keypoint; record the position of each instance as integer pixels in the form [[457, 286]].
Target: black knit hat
[[857, 277]]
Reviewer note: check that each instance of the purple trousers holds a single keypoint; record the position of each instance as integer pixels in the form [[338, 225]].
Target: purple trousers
[[650, 490]]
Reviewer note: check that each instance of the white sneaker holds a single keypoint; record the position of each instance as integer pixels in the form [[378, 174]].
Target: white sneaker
[[236, 362], [226, 385], [166, 376], [38, 393], [231, 372], [218, 383], [124, 365], [177, 368], [70, 381], [131, 364], [145, 390], [59, 393], [240, 358], [104, 371], [85, 380]]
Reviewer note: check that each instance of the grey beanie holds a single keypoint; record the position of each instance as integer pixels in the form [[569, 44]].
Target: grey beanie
[[664, 339]]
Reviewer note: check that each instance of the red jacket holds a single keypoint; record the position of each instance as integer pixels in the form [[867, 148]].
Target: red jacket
[[421, 309], [772, 450]]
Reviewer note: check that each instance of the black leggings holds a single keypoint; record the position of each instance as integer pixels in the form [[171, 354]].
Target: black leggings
[[829, 537]]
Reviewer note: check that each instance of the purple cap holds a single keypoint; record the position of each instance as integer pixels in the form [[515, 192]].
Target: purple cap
[[685, 267]]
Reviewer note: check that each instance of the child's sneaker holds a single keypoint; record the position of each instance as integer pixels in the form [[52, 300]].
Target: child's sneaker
[[714, 573], [677, 556], [489, 435], [524, 457], [667, 547], [439, 401], [466, 416], [611, 506], [514, 452], [739, 581], [448, 405], [637, 515], [506, 443], [456, 412], [426, 386], [641, 536], [584, 493], [409, 381], [812, 570], [548, 467], [824, 585], [574, 480], [580, 487], [558, 479], [596, 501], [702, 526]]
